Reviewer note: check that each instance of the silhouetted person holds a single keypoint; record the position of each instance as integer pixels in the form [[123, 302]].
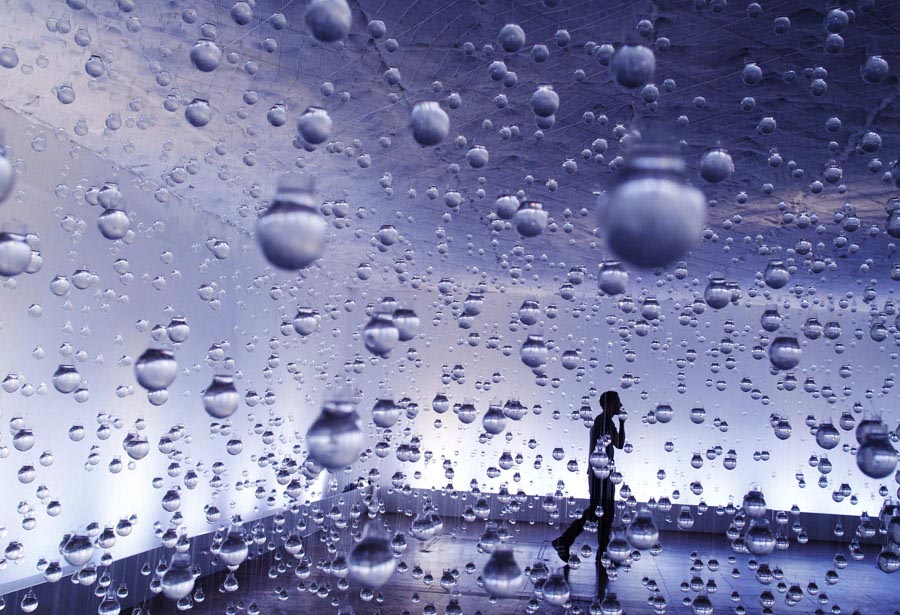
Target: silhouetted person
[[603, 492]]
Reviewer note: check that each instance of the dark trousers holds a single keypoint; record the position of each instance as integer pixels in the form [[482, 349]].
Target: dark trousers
[[602, 495]]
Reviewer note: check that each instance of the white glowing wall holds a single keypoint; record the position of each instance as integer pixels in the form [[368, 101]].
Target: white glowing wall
[[101, 323], [103, 329], [60, 150], [748, 429]]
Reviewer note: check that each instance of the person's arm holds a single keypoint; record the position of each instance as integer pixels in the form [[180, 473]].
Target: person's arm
[[619, 434], [593, 446], [596, 432]]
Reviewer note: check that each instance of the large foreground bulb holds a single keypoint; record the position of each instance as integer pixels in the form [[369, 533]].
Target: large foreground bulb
[[653, 217], [291, 232]]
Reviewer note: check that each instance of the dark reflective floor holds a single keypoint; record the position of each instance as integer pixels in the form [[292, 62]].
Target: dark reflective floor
[[860, 587]]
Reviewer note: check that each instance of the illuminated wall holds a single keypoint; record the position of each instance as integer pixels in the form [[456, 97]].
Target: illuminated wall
[[420, 225], [711, 381], [156, 274]]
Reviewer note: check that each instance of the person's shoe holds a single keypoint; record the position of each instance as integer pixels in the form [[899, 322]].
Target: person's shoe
[[561, 548]]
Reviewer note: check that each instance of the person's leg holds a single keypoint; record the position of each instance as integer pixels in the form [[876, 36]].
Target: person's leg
[[604, 529], [605, 500], [595, 487], [602, 577], [568, 537], [604, 532]]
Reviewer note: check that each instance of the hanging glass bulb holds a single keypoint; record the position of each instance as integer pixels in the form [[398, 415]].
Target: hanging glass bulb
[[876, 456], [642, 532], [7, 176], [610, 605], [633, 66], [15, 253], [407, 323], [893, 220], [178, 579], [114, 224], [784, 352], [386, 413], [827, 436], [555, 589], [717, 294], [531, 219], [529, 312], [221, 399], [618, 549], [234, 548], [770, 320], [716, 165], [494, 421], [776, 274], [306, 322], [77, 550], [760, 539], [430, 124], [291, 232], [206, 55], [875, 69], [534, 351], [613, 278], [544, 101], [328, 21], [136, 446], [506, 206], [653, 217], [380, 335], [335, 439], [422, 527], [501, 574], [315, 125], [371, 562], [702, 605], [156, 369], [198, 113]]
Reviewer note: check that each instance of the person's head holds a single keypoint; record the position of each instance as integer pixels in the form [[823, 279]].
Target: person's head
[[611, 404]]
